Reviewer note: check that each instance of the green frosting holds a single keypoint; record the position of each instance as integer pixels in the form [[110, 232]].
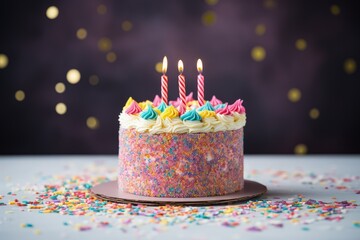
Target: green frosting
[[191, 115], [162, 106], [206, 106], [148, 113]]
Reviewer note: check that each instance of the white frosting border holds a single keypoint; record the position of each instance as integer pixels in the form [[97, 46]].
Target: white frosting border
[[176, 125]]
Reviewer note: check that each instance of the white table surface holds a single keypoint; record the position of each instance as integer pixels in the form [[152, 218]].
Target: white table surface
[[285, 177]]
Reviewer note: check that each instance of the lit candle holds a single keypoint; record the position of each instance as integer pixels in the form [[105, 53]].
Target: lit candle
[[200, 83], [164, 82], [182, 91]]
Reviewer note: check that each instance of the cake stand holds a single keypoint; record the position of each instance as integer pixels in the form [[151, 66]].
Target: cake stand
[[109, 191]]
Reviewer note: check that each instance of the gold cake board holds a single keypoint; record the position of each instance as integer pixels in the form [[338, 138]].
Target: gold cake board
[[109, 191]]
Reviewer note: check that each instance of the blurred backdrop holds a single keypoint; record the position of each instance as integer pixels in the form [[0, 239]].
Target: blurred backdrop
[[68, 67]]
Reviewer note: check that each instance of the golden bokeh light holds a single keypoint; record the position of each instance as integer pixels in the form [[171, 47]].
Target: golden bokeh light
[[52, 12], [73, 76], [60, 87], [314, 113], [104, 44], [158, 67], [92, 122], [19, 95], [269, 4], [260, 29], [4, 61], [212, 2], [300, 44], [300, 149], [294, 95], [60, 108], [81, 33], [101, 9], [258, 53], [350, 66], [94, 80], [335, 9], [208, 18], [126, 26], [111, 57]]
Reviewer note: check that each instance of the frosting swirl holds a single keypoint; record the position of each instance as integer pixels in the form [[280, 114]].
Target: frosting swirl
[[169, 112], [134, 108], [128, 103], [162, 106], [207, 114], [206, 106], [144, 104], [237, 106], [149, 113], [219, 106], [214, 101], [224, 111], [175, 103], [157, 100], [191, 115], [189, 97]]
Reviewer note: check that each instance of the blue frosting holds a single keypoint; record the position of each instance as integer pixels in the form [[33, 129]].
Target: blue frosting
[[162, 106], [190, 115], [148, 113], [219, 106], [206, 106]]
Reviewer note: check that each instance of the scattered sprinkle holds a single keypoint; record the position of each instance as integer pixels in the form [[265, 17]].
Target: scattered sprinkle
[[254, 229], [356, 224], [70, 196], [27, 225]]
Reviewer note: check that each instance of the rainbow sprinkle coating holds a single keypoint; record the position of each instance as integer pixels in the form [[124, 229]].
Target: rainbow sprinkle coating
[[180, 165]]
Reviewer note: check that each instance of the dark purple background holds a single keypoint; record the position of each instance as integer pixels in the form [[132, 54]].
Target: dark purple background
[[41, 51]]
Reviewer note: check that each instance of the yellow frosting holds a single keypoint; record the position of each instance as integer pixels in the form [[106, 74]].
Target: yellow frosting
[[128, 103], [169, 112], [157, 111], [193, 103], [207, 114], [144, 104]]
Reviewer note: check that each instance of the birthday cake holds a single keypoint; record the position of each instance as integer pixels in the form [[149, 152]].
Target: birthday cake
[[181, 149], [196, 154]]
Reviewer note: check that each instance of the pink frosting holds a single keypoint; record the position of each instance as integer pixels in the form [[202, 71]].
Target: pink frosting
[[214, 101], [182, 109], [224, 111], [157, 101], [134, 108], [237, 107], [175, 103], [189, 97]]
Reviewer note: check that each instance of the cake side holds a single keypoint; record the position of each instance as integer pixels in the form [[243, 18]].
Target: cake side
[[180, 165]]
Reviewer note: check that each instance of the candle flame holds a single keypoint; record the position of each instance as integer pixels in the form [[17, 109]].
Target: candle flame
[[164, 65], [180, 66], [199, 65]]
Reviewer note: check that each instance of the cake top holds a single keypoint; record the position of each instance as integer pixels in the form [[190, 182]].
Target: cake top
[[156, 116]]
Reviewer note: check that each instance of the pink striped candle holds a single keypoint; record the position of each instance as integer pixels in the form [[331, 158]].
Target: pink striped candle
[[200, 83], [164, 82], [182, 90]]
